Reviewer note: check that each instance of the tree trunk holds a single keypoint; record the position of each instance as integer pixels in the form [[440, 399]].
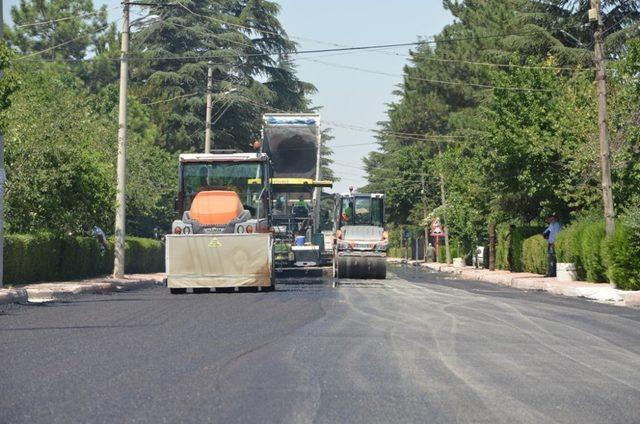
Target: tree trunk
[[492, 246]]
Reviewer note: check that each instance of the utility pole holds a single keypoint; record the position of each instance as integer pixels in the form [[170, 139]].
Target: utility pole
[[2, 173], [317, 192], [118, 263], [425, 215], [595, 17], [444, 213], [207, 133]]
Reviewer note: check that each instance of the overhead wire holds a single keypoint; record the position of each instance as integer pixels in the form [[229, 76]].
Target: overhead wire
[[182, 96], [62, 44], [51, 21], [432, 81]]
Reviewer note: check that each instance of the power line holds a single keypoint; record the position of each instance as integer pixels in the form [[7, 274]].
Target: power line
[[51, 21], [62, 44], [410, 136], [432, 81], [496, 65], [182, 96]]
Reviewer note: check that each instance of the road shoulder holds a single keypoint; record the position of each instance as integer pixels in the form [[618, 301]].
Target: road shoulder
[[60, 291], [603, 293]]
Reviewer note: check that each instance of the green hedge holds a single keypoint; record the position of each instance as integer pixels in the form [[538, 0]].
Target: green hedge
[[442, 252], [598, 259], [535, 255], [32, 258], [509, 245], [569, 246], [590, 247], [143, 255], [398, 252], [621, 254]]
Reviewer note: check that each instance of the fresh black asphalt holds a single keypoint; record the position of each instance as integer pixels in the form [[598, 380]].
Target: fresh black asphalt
[[416, 347]]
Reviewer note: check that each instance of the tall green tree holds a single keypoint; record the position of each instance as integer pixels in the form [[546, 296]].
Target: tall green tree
[[246, 45], [67, 29], [520, 132]]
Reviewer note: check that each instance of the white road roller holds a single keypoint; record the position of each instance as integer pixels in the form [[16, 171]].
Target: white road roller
[[361, 241]]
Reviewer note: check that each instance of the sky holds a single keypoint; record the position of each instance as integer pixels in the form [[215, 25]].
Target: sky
[[349, 97]]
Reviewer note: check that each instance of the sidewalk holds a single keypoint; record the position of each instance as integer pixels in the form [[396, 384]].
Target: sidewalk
[[51, 292], [526, 281]]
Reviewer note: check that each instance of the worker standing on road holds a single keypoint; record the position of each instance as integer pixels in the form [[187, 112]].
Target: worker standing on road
[[551, 233]]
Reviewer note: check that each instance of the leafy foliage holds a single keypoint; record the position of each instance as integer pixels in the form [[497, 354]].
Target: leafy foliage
[[59, 168], [61, 128], [535, 256], [501, 108], [40, 257], [244, 43], [593, 237], [621, 254]]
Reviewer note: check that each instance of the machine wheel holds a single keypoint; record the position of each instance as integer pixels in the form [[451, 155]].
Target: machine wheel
[[177, 291]]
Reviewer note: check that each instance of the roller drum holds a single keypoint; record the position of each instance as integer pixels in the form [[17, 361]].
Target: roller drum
[[362, 267]]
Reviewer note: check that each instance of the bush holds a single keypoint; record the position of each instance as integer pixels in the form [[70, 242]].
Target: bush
[[143, 255], [590, 247], [442, 251], [502, 246], [535, 255], [569, 246], [31, 258], [509, 246], [621, 254]]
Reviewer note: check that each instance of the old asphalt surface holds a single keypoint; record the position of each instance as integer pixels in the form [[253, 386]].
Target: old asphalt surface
[[417, 347]]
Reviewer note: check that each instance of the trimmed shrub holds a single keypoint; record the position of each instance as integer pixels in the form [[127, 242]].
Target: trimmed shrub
[[503, 240], [395, 252], [509, 248], [79, 258], [590, 246], [31, 258], [143, 255], [442, 252], [535, 254], [621, 254], [569, 246]]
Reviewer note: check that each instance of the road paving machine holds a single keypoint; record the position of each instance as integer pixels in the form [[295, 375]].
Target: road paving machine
[[292, 142], [224, 238], [361, 241]]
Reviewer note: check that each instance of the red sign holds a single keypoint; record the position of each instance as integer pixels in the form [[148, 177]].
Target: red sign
[[436, 228]]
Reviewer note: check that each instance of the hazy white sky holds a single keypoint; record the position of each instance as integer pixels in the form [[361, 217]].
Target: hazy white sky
[[350, 97]]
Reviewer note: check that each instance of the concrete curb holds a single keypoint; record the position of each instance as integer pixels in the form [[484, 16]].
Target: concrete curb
[[55, 292], [534, 282]]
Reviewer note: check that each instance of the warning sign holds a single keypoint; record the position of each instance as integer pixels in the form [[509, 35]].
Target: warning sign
[[436, 228]]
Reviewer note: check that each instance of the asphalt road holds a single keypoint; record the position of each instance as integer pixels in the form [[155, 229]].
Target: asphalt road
[[414, 348]]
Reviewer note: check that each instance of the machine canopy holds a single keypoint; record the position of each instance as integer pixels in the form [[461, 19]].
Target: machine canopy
[[225, 176], [292, 144]]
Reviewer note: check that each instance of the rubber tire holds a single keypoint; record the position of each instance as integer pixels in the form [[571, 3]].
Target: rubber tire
[[178, 291]]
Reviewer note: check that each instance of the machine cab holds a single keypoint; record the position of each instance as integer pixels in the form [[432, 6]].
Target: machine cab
[[360, 209], [223, 193]]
